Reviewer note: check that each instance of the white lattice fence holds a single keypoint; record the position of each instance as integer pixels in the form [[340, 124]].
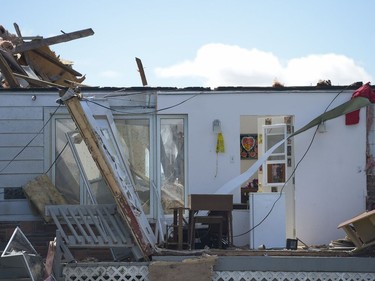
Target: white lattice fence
[[290, 276], [106, 273], [140, 273]]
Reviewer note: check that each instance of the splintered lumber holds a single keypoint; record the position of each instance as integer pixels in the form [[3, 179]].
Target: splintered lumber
[[18, 31], [37, 82], [35, 44], [141, 71], [49, 69], [56, 61], [44, 62], [12, 62], [7, 72]]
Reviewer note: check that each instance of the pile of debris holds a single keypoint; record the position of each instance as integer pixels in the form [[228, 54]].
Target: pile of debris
[[27, 62]]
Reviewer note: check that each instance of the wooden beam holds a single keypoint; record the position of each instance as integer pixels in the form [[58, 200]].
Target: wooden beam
[[37, 82], [13, 64], [18, 31], [56, 62], [7, 72], [141, 71], [27, 46]]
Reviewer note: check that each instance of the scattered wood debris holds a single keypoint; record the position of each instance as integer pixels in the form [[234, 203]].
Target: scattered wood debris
[[27, 62]]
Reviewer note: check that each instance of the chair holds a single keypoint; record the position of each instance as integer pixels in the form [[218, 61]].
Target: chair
[[177, 226], [219, 207]]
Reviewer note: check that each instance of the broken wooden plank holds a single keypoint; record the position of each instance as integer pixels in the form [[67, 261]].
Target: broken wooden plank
[[74, 84], [37, 82], [18, 31], [141, 71], [7, 73], [13, 64], [47, 70], [19, 34], [27, 46], [57, 62]]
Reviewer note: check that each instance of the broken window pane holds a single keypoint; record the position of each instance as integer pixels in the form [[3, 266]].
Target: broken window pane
[[67, 176], [18, 243], [172, 163], [135, 141], [97, 189]]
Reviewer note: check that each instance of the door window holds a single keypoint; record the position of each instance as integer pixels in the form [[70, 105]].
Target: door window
[[274, 169]]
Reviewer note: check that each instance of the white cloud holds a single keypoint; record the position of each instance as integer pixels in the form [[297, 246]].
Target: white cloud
[[229, 65]]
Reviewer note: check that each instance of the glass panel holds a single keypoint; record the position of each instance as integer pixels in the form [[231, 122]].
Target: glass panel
[[67, 176], [172, 163], [274, 139], [135, 141], [18, 243], [95, 181]]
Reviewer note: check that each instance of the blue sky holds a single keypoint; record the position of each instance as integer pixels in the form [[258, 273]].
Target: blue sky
[[208, 43]]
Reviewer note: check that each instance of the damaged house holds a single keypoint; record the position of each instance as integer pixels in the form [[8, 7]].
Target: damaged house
[[126, 174]]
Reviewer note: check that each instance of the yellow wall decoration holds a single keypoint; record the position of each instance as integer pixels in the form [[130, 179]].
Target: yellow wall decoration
[[220, 143]]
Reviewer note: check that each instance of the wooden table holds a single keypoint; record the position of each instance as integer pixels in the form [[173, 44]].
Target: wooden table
[[218, 203]]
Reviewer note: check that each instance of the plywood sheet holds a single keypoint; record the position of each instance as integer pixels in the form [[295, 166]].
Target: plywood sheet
[[42, 192]]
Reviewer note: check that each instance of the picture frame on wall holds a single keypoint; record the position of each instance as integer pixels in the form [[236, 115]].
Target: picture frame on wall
[[249, 146]]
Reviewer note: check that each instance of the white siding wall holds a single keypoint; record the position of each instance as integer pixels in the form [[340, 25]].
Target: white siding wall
[[21, 119], [330, 182]]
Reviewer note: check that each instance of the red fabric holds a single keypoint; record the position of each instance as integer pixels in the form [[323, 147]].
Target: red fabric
[[366, 92], [352, 118]]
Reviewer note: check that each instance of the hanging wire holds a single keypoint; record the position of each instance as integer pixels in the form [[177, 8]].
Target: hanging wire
[[162, 109], [38, 133], [148, 112], [57, 157], [88, 100]]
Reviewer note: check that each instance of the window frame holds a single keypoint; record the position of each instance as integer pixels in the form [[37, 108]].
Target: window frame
[[153, 186], [184, 117], [269, 163]]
